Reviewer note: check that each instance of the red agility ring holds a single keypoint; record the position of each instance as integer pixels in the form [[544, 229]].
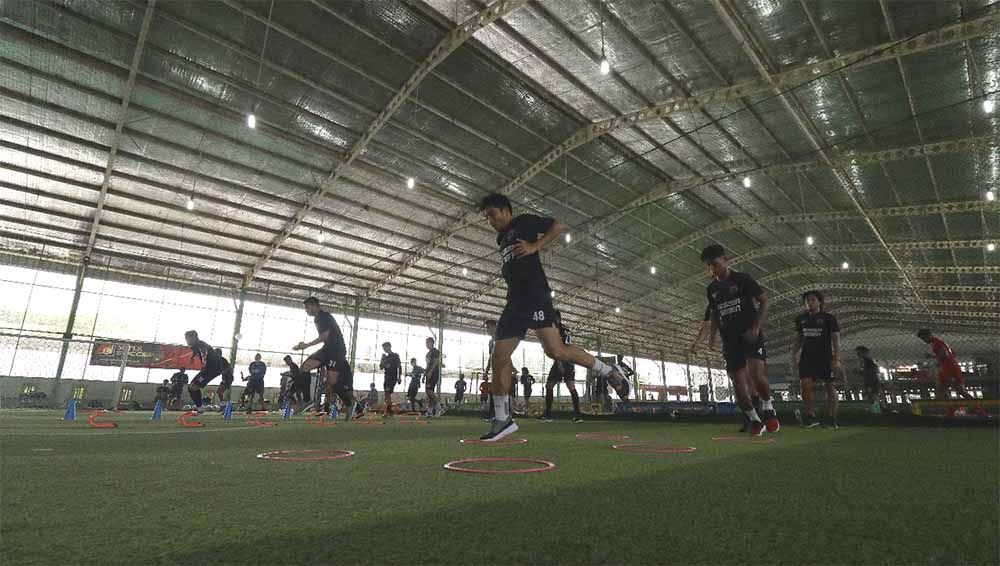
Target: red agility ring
[[507, 440], [601, 436], [654, 448], [279, 455], [456, 466], [743, 439]]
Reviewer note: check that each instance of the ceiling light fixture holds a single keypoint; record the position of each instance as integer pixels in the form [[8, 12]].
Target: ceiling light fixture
[[605, 66], [465, 271], [618, 309], [990, 196], [569, 237], [321, 238], [845, 265], [810, 240], [652, 270], [552, 293], [991, 247], [251, 121], [747, 182], [411, 182], [988, 106], [190, 203]]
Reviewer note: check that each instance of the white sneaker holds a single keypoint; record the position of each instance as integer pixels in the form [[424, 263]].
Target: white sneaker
[[498, 430]]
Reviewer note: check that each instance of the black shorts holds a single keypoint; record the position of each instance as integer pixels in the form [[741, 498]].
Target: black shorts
[[326, 357], [255, 387], [345, 375], [737, 351], [206, 375], [389, 384], [177, 390], [561, 372], [818, 367], [431, 381], [516, 320]]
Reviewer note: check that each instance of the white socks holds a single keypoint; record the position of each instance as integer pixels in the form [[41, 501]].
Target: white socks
[[602, 369], [500, 406], [766, 405], [752, 415]]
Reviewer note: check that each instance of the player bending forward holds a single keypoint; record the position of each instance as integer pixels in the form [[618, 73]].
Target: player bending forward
[[332, 357], [529, 306]]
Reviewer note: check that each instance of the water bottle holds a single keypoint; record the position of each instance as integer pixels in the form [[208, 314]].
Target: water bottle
[[333, 411]]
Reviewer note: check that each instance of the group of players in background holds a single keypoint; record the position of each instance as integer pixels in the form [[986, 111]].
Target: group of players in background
[[737, 312]]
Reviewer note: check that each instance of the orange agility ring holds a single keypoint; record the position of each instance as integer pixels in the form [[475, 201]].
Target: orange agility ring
[[457, 466], [184, 422], [505, 440], [601, 436], [306, 455], [743, 439], [254, 419], [92, 421], [654, 448]]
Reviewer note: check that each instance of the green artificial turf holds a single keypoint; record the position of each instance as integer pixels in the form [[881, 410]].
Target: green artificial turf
[[153, 493]]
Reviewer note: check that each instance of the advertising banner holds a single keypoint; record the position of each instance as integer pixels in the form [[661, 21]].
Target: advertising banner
[[144, 355]]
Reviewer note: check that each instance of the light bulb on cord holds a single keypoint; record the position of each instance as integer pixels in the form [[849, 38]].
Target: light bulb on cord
[[845, 265], [410, 183], [988, 106], [810, 240], [605, 67], [190, 203], [569, 237], [991, 247], [321, 238], [465, 271], [618, 309], [251, 121], [652, 270], [747, 182], [990, 196], [553, 293]]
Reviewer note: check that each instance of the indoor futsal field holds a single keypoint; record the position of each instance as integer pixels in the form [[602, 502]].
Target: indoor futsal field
[[866, 495]]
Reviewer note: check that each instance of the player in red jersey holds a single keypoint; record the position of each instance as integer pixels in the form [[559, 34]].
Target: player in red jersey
[[949, 373]]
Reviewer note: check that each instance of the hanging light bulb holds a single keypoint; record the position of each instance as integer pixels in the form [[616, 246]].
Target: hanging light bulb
[[991, 247], [411, 182], [652, 270], [810, 240], [845, 265], [569, 237], [990, 196], [988, 106], [553, 293], [465, 271], [321, 238], [605, 67], [251, 121], [618, 309], [190, 203], [747, 182]]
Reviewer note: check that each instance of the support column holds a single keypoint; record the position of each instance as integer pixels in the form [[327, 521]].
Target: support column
[[121, 377], [354, 330], [635, 378], [440, 341], [237, 324], [81, 274]]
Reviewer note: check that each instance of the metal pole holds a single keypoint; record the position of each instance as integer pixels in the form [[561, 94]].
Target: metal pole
[[81, 274], [440, 351], [121, 376], [237, 324], [354, 330]]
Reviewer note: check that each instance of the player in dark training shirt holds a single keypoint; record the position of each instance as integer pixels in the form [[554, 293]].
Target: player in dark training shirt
[[392, 368], [431, 379], [529, 306], [222, 391], [211, 366], [733, 298], [332, 358], [817, 356], [565, 372]]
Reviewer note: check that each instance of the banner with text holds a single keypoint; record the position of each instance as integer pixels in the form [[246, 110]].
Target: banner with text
[[144, 355]]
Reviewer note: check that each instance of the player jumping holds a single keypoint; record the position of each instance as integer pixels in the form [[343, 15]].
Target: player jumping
[[211, 366], [817, 356], [731, 297], [529, 306], [332, 357]]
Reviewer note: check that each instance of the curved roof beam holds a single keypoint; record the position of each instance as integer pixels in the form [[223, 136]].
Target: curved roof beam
[[946, 35], [449, 43]]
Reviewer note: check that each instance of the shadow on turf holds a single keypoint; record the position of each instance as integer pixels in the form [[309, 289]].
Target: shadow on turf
[[847, 499]]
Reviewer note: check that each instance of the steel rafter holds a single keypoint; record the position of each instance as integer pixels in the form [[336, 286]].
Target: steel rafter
[[445, 47]]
